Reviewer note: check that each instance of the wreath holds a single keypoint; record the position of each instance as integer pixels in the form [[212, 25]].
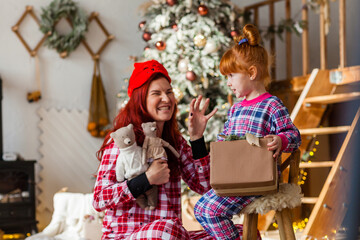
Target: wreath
[[52, 14]]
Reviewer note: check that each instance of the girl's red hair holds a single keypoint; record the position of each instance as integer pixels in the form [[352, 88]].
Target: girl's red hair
[[135, 112], [239, 58]]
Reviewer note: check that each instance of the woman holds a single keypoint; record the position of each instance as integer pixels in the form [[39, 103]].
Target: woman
[[152, 99]]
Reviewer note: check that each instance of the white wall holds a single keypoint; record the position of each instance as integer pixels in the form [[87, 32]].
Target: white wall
[[66, 82]]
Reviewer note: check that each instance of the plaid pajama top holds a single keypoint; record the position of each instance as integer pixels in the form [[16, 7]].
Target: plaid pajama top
[[123, 216], [262, 116]]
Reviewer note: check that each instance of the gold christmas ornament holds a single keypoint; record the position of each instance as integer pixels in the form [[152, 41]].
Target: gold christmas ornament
[[200, 40], [210, 47], [178, 93], [205, 82]]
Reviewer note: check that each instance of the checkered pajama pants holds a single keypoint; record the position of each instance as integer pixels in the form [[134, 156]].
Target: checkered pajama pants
[[170, 230], [214, 213]]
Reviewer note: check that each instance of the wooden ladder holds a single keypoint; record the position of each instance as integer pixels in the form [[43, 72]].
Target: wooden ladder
[[321, 90]]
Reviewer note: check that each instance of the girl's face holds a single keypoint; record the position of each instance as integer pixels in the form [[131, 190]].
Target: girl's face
[[240, 84], [160, 100]]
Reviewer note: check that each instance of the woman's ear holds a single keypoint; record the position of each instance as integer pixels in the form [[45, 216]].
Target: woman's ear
[[253, 72]]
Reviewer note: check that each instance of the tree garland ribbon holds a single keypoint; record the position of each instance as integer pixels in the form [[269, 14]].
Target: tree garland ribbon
[[52, 14]]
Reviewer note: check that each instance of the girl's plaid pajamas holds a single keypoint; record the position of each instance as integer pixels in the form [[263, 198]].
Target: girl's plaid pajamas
[[261, 116]]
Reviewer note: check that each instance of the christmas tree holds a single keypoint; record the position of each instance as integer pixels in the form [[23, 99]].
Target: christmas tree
[[188, 38]]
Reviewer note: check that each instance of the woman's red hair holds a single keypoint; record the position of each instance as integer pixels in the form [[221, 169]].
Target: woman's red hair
[[135, 112]]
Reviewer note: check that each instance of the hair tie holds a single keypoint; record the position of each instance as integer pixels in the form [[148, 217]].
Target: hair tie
[[244, 40]]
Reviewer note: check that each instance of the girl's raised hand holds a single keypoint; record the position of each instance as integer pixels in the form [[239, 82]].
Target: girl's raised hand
[[197, 118]]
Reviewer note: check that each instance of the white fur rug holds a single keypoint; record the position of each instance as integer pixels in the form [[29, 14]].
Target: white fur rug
[[289, 196]]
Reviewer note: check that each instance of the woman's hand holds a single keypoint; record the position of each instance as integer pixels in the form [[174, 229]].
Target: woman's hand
[[197, 118], [274, 145], [158, 173]]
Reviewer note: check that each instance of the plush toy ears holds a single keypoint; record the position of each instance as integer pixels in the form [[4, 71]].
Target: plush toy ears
[[112, 135], [130, 126]]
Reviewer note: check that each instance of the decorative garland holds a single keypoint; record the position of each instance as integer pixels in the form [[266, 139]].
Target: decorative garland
[[52, 14]]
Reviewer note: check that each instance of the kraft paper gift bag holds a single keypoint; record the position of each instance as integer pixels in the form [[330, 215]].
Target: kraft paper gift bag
[[238, 168]]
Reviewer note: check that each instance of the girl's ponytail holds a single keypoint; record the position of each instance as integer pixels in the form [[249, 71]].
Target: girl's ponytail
[[251, 33], [245, 53]]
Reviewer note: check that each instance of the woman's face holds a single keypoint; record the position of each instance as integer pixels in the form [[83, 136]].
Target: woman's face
[[160, 100]]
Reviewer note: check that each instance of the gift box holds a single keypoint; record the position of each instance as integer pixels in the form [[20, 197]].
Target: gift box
[[238, 168]]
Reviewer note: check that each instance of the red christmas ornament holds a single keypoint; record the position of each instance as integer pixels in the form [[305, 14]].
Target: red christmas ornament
[[203, 10], [190, 75], [146, 47], [146, 36], [174, 26], [171, 2], [142, 25], [160, 45], [234, 33]]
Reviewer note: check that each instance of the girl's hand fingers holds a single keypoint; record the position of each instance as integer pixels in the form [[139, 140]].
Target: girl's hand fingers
[[270, 136], [272, 148], [276, 154], [272, 144]]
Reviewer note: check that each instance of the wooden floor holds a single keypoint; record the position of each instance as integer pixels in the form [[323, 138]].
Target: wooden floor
[[274, 235]]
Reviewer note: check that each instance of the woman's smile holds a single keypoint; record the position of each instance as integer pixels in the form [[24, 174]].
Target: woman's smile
[[160, 100]]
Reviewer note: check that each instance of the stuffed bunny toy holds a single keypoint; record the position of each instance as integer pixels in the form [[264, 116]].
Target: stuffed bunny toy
[[130, 162], [153, 149]]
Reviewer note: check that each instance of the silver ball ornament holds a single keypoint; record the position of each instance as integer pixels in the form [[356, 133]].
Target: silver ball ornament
[[183, 65]]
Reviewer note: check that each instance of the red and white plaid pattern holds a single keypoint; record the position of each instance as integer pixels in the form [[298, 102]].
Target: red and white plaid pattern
[[124, 219]]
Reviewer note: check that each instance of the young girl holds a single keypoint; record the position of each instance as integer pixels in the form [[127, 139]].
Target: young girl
[[246, 67]]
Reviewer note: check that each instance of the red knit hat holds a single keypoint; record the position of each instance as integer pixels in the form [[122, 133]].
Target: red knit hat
[[142, 73]]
